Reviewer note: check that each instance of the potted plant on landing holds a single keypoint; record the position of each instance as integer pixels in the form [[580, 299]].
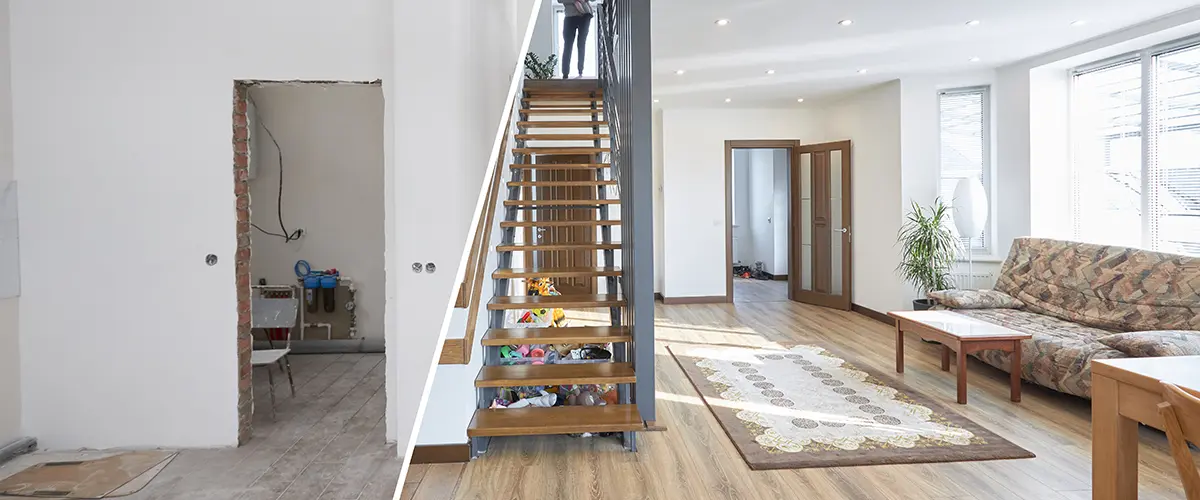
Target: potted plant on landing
[[928, 250], [537, 69]]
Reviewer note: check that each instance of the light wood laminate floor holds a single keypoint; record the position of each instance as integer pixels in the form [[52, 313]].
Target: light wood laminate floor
[[751, 290], [327, 443], [694, 460]]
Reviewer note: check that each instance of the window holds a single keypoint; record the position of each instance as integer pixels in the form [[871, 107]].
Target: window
[[964, 138], [1136, 150]]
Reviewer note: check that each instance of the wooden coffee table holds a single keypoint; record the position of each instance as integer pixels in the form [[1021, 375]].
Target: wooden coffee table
[[963, 335]]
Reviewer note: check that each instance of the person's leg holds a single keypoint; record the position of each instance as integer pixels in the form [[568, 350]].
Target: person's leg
[[585, 25], [570, 26]]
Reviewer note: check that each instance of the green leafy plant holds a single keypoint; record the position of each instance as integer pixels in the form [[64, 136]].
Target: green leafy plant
[[538, 69], [928, 247]]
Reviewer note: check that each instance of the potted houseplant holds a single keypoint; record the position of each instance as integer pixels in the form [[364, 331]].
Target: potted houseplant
[[538, 69], [928, 250]]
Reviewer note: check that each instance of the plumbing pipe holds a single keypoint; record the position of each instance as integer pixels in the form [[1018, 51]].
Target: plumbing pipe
[[328, 328]]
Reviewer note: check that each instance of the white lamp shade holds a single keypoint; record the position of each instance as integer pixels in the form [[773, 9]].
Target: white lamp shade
[[970, 208]]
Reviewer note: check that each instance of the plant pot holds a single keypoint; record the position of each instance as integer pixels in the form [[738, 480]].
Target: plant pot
[[923, 304]]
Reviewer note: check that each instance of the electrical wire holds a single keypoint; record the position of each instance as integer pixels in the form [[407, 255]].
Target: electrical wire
[[287, 235]]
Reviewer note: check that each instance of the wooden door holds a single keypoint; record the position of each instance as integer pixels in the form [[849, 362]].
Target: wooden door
[[820, 249], [586, 234]]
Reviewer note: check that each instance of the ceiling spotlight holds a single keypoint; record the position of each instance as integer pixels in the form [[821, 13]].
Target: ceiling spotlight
[[656, 101], [722, 22], [973, 22], [845, 22], [862, 71], [800, 99], [770, 72], [974, 59], [728, 99], [1080, 22], [679, 72]]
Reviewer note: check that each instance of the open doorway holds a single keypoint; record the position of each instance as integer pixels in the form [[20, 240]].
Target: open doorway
[[309, 181], [759, 202]]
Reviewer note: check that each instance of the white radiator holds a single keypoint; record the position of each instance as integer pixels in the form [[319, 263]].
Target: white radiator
[[973, 281]]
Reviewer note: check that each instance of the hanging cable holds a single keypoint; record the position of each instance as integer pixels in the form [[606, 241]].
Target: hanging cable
[[287, 235]]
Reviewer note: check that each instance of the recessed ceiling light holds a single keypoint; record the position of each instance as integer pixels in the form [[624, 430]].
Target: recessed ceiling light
[[722, 22], [862, 71], [800, 99], [656, 101], [973, 22], [770, 72], [974, 59], [1080, 22], [728, 99], [679, 72], [845, 22]]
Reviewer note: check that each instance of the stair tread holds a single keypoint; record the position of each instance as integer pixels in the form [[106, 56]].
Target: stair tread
[[562, 123], [560, 166], [556, 420], [561, 301], [561, 150], [561, 137], [556, 111], [565, 374], [563, 335], [558, 223], [560, 203], [534, 247], [555, 272], [562, 99], [596, 182]]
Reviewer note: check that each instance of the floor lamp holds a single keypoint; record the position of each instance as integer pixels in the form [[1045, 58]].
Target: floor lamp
[[970, 215]]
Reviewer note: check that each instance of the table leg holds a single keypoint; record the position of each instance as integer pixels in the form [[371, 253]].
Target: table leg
[[899, 348], [1014, 374], [945, 358], [1114, 445], [962, 375]]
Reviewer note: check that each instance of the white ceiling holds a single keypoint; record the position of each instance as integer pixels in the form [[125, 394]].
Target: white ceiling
[[814, 57]]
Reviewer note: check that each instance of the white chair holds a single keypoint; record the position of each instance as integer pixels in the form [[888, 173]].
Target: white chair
[[274, 306]]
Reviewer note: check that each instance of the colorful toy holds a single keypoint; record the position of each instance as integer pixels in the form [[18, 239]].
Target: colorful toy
[[544, 287]]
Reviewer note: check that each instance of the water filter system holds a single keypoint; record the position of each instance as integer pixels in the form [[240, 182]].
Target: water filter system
[[320, 292]]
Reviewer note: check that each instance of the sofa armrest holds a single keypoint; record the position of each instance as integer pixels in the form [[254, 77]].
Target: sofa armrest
[[975, 299]]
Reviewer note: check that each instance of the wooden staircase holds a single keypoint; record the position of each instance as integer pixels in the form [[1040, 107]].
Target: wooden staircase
[[544, 216]]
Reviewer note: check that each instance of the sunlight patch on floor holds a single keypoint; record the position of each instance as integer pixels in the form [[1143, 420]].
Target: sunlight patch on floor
[[678, 398]]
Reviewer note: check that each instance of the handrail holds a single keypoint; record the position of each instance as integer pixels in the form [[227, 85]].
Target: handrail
[[458, 351]]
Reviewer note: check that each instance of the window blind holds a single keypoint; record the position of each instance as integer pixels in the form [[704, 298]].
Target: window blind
[[1173, 153], [962, 117], [1106, 180]]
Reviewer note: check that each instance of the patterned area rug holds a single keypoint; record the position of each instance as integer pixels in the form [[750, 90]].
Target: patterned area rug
[[805, 407]]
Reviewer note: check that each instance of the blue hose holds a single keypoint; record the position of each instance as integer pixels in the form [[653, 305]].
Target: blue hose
[[307, 268]]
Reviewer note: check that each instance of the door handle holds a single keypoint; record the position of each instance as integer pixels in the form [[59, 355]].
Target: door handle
[[842, 230]]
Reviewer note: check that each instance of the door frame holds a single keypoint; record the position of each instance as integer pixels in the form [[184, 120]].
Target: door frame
[[730, 145]]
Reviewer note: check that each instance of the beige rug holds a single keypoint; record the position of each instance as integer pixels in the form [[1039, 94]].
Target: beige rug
[[806, 407], [116, 475]]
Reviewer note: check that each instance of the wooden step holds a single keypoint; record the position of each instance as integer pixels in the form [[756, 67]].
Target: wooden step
[[561, 137], [562, 86], [560, 151], [557, 420], [555, 272], [561, 124], [560, 301], [556, 247], [553, 111], [597, 182], [558, 223], [559, 166], [560, 203], [564, 335], [561, 100], [566, 374]]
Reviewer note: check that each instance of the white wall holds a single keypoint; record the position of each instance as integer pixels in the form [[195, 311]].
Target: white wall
[[332, 143], [762, 208], [871, 119], [122, 142], [743, 239], [10, 359], [657, 157], [780, 164], [694, 187]]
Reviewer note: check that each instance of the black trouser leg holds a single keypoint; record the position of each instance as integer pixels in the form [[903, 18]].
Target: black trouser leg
[[570, 28], [585, 25]]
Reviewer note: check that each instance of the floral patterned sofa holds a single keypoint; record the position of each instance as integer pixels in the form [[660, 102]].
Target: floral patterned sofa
[[1074, 294]]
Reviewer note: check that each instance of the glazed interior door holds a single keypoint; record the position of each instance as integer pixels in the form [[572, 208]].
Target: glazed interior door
[[584, 234], [821, 236]]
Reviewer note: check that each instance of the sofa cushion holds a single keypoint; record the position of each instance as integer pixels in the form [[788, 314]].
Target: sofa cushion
[[1058, 356], [975, 299], [1115, 288], [1155, 343]]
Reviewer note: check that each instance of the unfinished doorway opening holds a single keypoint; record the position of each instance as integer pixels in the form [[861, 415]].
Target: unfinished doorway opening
[[309, 187]]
